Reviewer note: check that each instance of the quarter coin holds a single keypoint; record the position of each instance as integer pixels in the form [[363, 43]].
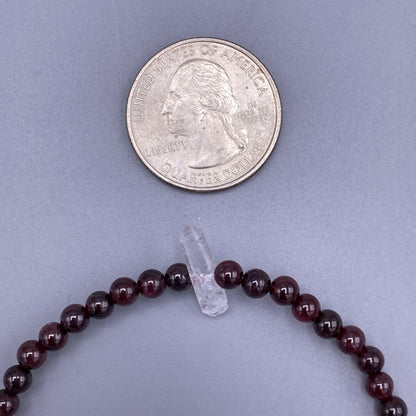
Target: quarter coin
[[204, 114]]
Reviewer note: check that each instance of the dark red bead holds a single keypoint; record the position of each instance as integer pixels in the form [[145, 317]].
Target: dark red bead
[[380, 386], [74, 318], [177, 277], [351, 340], [151, 283], [394, 406], [9, 403], [284, 290], [31, 354], [124, 291], [328, 324], [53, 336], [228, 274], [99, 305], [370, 360], [256, 283], [17, 379], [306, 308]]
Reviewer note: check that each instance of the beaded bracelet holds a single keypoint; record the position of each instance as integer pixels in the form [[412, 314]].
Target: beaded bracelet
[[124, 291]]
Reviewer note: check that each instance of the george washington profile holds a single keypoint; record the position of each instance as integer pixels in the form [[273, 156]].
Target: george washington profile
[[200, 105]]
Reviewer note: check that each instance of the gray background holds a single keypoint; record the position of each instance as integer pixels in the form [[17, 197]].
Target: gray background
[[334, 207]]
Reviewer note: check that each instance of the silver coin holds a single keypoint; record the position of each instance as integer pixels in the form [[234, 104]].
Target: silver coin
[[204, 114]]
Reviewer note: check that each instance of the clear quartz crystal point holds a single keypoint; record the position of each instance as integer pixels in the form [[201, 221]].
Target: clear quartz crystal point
[[211, 297]]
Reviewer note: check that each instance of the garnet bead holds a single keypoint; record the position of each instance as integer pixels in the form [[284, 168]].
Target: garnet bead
[[394, 406], [74, 318], [306, 308], [31, 354], [177, 277], [124, 291], [99, 305], [53, 336], [151, 283], [256, 283], [380, 386], [9, 403], [328, 324], [228, 274], [351, 340], [284, 290], [17, 379], [370, 360]]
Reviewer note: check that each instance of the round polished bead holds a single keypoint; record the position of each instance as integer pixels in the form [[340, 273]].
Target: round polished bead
[[394, 406], [228, 274], [256, 283], [380, 386], [17, 379], [328, 324], [31, 354], [351, 340], [370, 360], [74, 318], [99, 305], [53, 336], [177, 277], [306, 308], [284, 290], [151, 283], [9, 403], [124, 291]]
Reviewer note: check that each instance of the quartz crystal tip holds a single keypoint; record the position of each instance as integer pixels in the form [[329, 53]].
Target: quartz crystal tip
[[211, 297]]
